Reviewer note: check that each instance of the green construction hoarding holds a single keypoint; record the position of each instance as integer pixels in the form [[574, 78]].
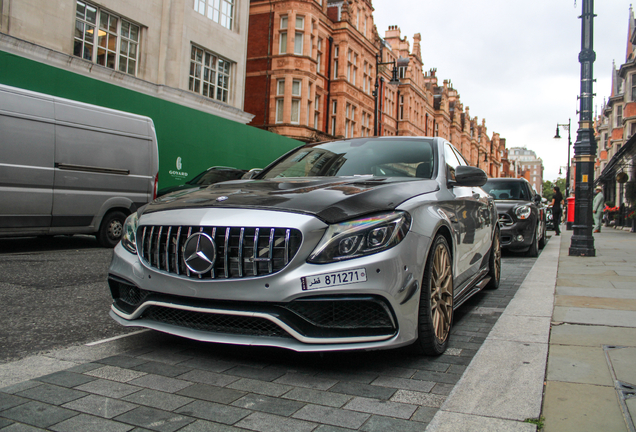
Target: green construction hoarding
[[190, 141]]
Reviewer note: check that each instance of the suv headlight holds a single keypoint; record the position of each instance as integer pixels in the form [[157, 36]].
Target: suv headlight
[[523, 212], [360, 237], [128, 238]]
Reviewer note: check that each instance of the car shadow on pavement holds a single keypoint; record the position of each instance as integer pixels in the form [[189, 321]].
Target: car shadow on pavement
[[46, 243]]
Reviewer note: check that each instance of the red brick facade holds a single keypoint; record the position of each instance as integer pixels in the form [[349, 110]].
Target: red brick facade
[[311, 75]]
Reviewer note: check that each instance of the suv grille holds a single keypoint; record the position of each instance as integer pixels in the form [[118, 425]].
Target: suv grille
[[240, 251]]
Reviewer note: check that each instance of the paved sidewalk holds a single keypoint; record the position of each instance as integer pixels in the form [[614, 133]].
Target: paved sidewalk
[[563, 354], [591, 374]]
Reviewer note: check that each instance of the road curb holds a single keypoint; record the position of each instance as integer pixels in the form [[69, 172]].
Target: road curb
[[503, 385]]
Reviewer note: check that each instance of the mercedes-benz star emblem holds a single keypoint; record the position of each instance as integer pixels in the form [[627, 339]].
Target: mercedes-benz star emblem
[[199, 253]]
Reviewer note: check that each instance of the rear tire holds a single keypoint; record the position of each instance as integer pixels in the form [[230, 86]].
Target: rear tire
[[436, 301], [494, 262], [111, 229]]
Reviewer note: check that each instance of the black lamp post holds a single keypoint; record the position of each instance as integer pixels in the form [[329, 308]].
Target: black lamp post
[[582, 243], [567, 179], [394, 81]]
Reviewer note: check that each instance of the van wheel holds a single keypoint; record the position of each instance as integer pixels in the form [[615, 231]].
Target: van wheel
[[436, 301], [111, 229]]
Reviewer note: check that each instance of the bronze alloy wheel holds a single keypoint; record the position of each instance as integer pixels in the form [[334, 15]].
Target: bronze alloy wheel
[[494, 262], [436, 300], [442, 292]]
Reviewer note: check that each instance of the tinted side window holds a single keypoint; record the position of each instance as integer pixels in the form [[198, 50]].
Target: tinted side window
[[451, 161]]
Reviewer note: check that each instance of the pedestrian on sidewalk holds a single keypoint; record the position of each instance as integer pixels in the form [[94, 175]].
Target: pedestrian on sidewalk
[[557, 201], [597, 208]]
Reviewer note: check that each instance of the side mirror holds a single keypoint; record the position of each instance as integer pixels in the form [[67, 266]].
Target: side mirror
[[537, 199], [470, 176]]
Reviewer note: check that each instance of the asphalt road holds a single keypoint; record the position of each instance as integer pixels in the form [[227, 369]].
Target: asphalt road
[[54, 295]]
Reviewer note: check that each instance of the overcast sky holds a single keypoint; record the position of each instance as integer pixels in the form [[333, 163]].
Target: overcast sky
[[515, 63]]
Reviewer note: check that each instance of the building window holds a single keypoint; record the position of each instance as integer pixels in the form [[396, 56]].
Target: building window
[[117, 41], [619, 116], [209, 74], [280, 105], [219, 11], [316, 111], [298, 43], [280, 87], [633, 87], [319, 56], [295, 107], [282, 43], [300, 23], [336, 52], [282, 37]]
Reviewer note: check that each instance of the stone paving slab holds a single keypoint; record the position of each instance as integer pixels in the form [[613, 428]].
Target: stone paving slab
[[573, 407]]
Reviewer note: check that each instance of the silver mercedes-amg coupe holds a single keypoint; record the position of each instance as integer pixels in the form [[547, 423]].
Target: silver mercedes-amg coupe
[[367, 243]]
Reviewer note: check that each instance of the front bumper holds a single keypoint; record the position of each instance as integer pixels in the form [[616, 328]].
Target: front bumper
[[516, 234], [275, 310]]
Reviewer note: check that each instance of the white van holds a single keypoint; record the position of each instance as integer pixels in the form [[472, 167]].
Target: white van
[[67, 167]]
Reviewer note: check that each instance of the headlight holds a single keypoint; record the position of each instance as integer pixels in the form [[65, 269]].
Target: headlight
[[128, 239], [523, 212], [360, 237]]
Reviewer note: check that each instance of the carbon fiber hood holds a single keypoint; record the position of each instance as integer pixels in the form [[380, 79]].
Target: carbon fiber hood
[[331, 199]]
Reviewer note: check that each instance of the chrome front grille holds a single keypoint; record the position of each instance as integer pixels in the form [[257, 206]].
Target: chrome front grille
[[240, 251], [505, 219]]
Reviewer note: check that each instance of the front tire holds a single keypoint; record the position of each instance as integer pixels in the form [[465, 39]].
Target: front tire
[[111, 229], [436, 300], [494, 262], [534, 247]]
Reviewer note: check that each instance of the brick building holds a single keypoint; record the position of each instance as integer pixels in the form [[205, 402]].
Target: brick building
[[616, 126], [314, 68]]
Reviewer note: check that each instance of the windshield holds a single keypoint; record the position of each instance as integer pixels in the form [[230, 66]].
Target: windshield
[[363, 156], [507, 190], [215, 176]]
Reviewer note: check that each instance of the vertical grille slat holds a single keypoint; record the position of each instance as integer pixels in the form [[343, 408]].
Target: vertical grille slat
[[158, 248], [226, 254], [189, 234], [176, 250], [270, 255], [241, 252], [168, 249]]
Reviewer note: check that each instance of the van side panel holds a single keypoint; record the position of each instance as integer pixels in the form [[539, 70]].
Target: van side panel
[[93, 165], [27, 145]]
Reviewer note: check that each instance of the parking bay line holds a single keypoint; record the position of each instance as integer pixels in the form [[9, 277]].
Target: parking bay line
[[116, 337]]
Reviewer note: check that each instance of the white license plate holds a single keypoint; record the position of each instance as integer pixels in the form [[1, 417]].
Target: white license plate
[[327, 280]]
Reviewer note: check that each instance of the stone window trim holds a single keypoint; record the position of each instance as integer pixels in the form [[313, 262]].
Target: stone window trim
[[118, 39]]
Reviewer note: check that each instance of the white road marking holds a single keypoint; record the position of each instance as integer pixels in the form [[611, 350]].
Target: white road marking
[[115, 338]]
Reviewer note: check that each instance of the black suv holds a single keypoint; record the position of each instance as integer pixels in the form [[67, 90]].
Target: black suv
[[521, 214]]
